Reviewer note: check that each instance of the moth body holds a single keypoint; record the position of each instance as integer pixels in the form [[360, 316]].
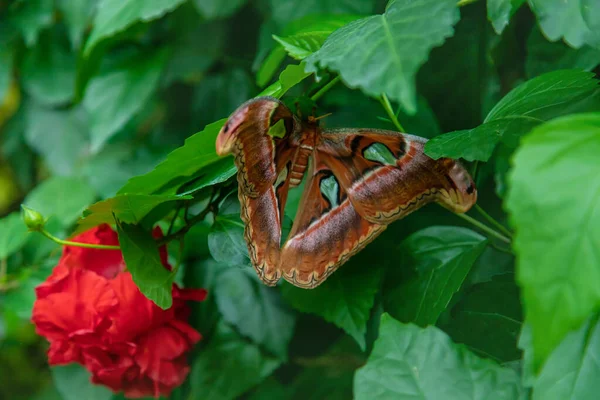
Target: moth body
[[357, 181]]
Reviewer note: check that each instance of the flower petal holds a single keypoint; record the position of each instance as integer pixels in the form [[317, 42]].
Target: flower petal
[[107, 263], [83, 305]]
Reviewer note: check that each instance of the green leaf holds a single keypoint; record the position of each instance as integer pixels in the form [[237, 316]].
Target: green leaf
[[226, 241], [61, 197], [77, 15], [38, 248], [312, 24], [528, 105], [398, 41], [130, 209], [577, 22], [525, 345], [502, 166], [468, 72], [325, 23], [114, 16], [353, 109], [14, 151], [20, 300], [345, 298], [256, 310], [59, 136], [197, 153], [142, 258], [544, 56], [493, 263], [73, 382], [194, 158], [284, 11], [440, 257], [191, 57], [228, 366], [289, 77], [545, 96], [479, 143], [266, 62], [553, 198], [278, 130], [6, 69], [13, 234], [114, 98], [411, 362], [211, 9], [270, 66], [488, 319], [270, 389], [500, 11], [213, 174], [330, 375], [219, 95], [30, 17], [572, 369], [309, 39], [49, 72], [203, 274], [108, 170], [301, 45]]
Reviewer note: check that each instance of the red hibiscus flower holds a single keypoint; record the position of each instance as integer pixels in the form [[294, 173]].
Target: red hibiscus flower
[[92, 313]]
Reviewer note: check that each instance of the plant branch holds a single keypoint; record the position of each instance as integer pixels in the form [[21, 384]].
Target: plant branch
[[213, 207], [77, 244], [491, 220], [385, 102], [484, 228], [190, 223], [173, 220], [325, 88]]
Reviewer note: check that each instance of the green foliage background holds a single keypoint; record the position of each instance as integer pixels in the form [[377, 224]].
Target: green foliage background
[[99, 104]]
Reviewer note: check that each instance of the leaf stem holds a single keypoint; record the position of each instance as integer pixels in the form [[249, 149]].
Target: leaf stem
[[385, 102], [212, 207], [173, 220], [491, 220], [475, 171], [484, 228], [462, 3], [500, 248], [325, 88], [77, 244], [190, 223]]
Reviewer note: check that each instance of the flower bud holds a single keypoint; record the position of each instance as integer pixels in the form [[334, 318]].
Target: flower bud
[[33, 219]]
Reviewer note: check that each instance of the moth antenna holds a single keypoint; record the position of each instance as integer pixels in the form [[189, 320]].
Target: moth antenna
[[322, 116]]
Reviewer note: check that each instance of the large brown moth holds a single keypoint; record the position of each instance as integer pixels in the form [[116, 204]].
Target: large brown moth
[[274, 150]]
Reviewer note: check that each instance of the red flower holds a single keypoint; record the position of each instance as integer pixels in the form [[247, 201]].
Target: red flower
[[92, 313]]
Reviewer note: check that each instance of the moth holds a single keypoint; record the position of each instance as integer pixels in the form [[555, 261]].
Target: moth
[[274, 150]]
